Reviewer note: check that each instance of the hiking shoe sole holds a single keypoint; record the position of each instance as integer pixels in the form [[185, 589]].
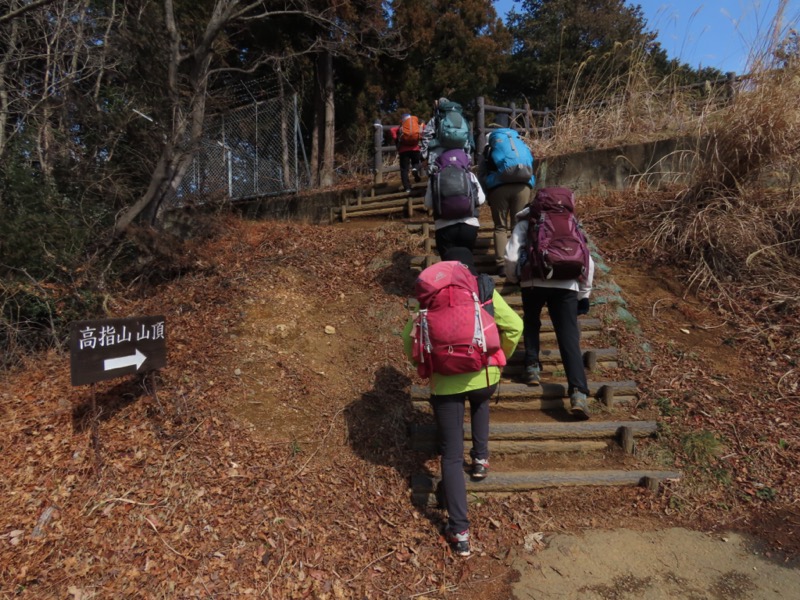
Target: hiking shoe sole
[[531, 380], [479, 471], [580, 411], [461, 548], [459, 543]]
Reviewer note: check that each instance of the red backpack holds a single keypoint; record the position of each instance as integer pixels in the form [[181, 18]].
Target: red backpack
[[453, 332], [410, 132], [557, 247]]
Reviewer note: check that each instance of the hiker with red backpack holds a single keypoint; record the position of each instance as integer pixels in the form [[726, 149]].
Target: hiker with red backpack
[[460, 339], [408, 138], [455, 196], [549, 255]]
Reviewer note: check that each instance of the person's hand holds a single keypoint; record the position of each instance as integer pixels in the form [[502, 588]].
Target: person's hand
[[583, 306]]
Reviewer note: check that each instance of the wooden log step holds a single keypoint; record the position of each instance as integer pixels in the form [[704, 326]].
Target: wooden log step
[[401, 201], [423, 435], [513, 405], [517, 405], [519, 481], [379, 211], [511, 391], [513, 371], [545, 446], [593, 357], [378, 199]]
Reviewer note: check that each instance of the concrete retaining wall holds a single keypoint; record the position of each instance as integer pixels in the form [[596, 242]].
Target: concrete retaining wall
[[651, 164]]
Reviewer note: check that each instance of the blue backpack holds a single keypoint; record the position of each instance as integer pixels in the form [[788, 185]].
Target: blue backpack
[[454, 196], [452, 129], [509, 159]]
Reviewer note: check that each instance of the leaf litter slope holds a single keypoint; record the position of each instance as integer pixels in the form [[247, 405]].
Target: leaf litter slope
[[272, 460]]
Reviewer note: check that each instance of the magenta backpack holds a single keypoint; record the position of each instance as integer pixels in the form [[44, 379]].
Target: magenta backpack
[[453, 332], [557, 247]]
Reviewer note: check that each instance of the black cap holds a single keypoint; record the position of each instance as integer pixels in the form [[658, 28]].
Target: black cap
[[462, 255]]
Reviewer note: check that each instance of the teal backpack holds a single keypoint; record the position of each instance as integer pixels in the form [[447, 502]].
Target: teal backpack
[[452, 128]]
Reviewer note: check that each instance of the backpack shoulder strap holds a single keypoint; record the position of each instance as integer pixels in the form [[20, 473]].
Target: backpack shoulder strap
[[486, 290]]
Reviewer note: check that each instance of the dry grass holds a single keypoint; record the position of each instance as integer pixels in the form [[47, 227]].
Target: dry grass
[[603, 109], [737, 222]]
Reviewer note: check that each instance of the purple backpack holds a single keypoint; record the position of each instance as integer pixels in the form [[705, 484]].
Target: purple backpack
[[451, 186], [557, 247]]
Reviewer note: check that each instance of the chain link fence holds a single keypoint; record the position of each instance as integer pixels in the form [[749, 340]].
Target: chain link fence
[[252, 151]]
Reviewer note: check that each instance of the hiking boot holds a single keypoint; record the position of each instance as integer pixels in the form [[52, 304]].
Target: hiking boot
[[407, 190], [531, 376], [459, 542], [501, 272], [579, 405], [480, 468], [415, 173]]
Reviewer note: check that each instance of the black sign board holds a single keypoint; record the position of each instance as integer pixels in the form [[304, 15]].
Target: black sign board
[[108, 348]]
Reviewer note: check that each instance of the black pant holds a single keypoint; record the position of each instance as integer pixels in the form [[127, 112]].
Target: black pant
[[563, 308], [449, 413], [460, 234], [408, 160]]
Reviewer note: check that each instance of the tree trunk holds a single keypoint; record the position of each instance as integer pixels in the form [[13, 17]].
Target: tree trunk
[[188, 119], [317, 132], [286, 168], [10, 51], [329, 136]]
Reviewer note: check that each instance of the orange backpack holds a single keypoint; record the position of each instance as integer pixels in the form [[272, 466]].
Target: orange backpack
[[410, 132]]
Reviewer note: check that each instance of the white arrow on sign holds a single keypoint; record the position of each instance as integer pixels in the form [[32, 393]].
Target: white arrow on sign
[[124, 361]]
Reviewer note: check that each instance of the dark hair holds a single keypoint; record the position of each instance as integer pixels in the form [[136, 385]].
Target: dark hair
[[462, 255]]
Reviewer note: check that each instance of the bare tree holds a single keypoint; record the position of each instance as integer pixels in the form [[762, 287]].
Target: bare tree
[[190, 69], [61, 57]]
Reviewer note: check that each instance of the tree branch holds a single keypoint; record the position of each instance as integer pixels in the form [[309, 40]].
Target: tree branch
[[13, 14]]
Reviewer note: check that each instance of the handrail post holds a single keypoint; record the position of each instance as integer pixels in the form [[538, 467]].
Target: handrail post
[[481, 141], [527, 118], [378, 158]]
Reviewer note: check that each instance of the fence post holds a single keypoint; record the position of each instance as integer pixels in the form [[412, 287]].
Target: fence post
[[731, 76], [527, 119], [481, 141], [378, 160], [513, 123], [546, 124]]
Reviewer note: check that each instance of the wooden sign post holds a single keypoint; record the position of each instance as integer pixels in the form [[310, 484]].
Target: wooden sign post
[[108, 348]]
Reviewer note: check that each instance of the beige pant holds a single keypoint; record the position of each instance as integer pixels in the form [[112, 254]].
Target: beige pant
[[506, 201]]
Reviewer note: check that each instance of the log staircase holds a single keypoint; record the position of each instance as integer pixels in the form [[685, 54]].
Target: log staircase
[[534, 441], [382, 201]]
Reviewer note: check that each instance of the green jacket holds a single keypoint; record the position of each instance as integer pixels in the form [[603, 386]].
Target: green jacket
[[509, 324]]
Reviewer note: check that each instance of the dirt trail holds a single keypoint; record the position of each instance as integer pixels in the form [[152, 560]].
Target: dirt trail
[[654, 565]]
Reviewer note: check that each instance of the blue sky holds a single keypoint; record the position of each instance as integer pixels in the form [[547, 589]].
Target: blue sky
[[714, 33]]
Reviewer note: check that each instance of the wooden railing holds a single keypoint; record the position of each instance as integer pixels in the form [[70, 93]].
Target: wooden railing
[[530, 122]]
